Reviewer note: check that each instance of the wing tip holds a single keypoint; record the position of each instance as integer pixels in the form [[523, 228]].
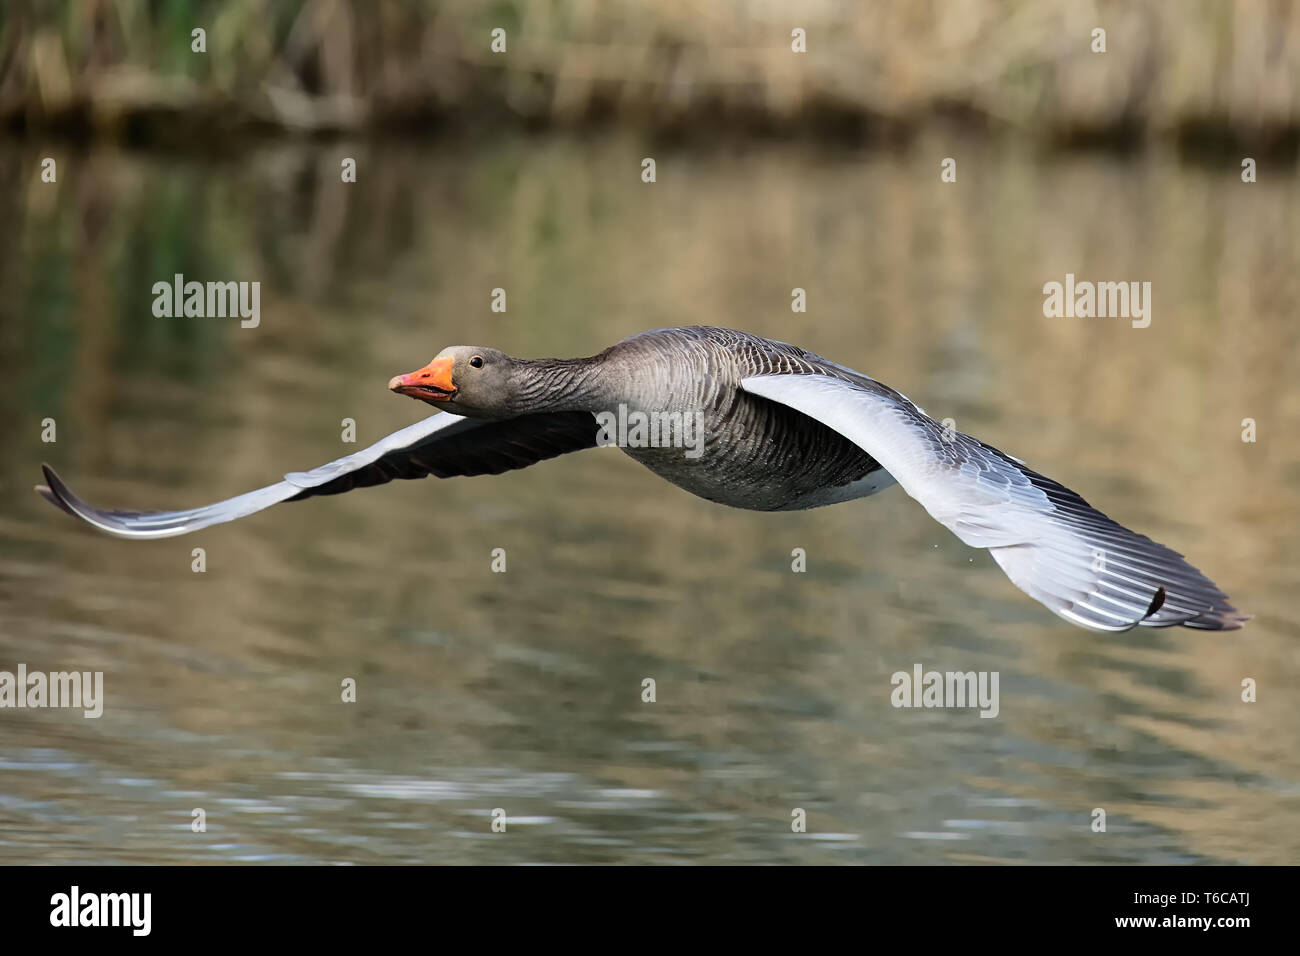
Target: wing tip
[[56, 491], [1219, 616], [53, 490]]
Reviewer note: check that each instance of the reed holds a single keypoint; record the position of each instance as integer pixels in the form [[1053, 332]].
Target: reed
[[1196, 70]]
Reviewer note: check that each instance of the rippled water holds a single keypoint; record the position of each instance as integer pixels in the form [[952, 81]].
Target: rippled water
[[522, 690]]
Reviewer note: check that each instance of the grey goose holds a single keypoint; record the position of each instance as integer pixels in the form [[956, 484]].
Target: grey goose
[[783, 429]]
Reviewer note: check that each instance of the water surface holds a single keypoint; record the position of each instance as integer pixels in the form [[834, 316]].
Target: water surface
[[522, 690]]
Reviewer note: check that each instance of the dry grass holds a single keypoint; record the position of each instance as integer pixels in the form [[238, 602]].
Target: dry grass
[[1198, 69]]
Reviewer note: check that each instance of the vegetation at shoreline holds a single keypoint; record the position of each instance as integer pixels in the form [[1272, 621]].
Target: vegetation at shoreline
[[1194, 72]]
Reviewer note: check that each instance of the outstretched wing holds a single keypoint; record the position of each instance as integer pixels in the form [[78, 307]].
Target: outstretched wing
[[443, 445], [1051, 543]]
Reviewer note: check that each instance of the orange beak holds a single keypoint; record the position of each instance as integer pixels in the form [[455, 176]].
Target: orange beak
[[430, 384]]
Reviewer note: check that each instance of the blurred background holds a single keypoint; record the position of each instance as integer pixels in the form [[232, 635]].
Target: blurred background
[[522, 170]]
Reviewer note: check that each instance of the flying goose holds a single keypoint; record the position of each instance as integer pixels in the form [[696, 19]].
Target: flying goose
[[783, 429]]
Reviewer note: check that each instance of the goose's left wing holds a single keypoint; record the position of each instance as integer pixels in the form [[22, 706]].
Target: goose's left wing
[[1051, 543], [443, 445]]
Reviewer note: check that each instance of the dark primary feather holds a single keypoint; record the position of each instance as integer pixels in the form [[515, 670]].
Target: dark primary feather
[[480, 448], [447, 445]]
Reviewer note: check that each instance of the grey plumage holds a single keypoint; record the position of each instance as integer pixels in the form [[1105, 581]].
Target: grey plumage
[[758, 454]]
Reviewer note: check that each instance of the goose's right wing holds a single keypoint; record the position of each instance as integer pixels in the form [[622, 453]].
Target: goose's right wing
[[442, 445], [1052, 544]]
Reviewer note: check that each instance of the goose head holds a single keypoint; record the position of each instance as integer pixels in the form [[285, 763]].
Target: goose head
[[469, 380]]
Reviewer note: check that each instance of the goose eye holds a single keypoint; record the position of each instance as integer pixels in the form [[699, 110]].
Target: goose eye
[[476, 362]]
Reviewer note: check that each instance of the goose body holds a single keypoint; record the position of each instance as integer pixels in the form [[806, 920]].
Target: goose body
[[758, 454], [782, 429]]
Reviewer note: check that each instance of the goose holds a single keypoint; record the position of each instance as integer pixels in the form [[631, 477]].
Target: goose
[[783, 429]]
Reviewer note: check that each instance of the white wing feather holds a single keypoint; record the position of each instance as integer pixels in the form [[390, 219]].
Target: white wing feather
[[1051, 543]]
